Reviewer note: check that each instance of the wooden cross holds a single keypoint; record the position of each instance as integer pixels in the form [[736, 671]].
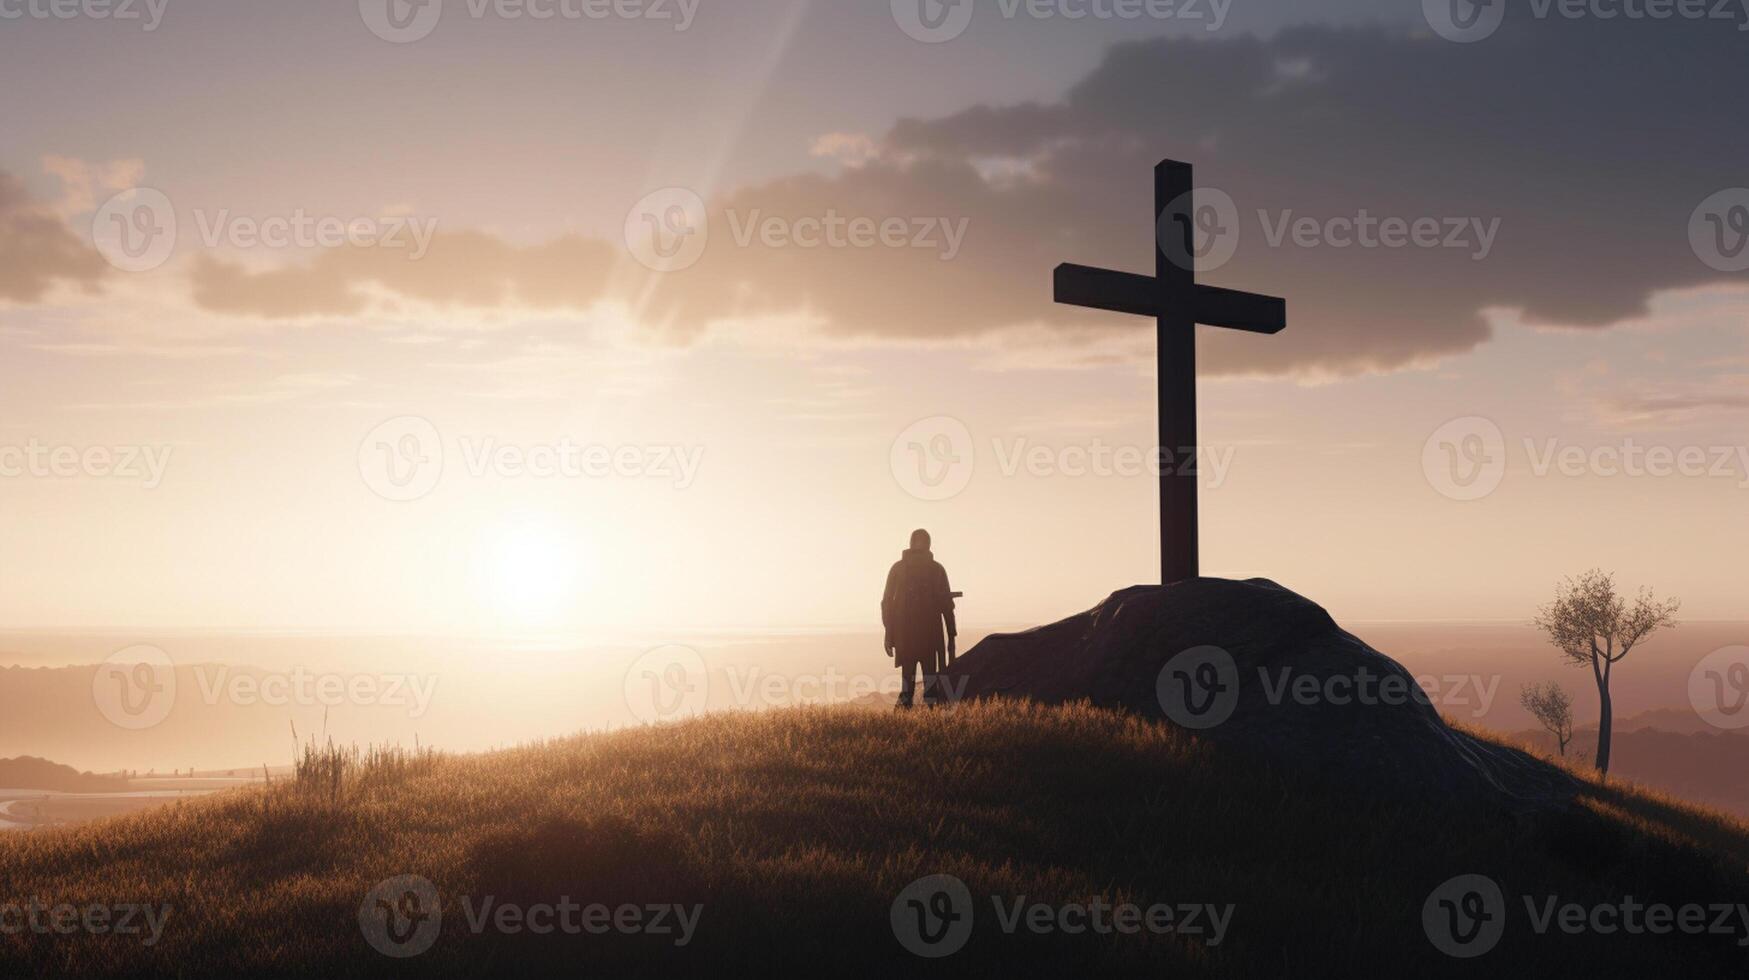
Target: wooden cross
[[1177, 304]]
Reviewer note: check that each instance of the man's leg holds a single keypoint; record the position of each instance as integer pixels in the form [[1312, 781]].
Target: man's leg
[[907, 683], [932, 680]]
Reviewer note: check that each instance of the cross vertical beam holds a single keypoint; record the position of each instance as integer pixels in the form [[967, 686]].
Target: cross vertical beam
[[1177, 302], [1175, 362]]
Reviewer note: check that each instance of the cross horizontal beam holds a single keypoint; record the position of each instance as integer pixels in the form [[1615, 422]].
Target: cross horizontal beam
[[1126, 292]]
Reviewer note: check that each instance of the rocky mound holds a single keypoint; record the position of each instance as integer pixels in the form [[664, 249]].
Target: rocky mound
[[1265, 671]]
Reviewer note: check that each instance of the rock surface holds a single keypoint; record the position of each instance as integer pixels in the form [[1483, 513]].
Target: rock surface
[[1260, 669]]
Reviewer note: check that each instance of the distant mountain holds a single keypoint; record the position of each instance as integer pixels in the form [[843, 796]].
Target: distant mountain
[[1695, 761], [29, 772]]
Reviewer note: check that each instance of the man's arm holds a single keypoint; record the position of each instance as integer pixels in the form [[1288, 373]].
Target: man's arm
[[887, 611]]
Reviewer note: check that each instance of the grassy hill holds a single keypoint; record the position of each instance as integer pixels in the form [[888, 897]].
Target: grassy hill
[[795, 831]]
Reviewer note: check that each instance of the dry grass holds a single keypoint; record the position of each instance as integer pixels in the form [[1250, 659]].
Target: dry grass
[[795, 829]]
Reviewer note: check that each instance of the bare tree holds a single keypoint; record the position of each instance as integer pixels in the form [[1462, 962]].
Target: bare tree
[[1552, 707], [1593, 627]]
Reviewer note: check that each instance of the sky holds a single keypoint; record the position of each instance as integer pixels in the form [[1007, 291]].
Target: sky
[[473, 317]]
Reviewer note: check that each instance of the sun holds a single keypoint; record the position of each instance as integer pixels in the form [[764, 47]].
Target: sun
[[531, 573]]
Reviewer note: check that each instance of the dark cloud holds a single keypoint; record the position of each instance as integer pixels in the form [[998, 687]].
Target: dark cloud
[[1589, 142], [37, 249]]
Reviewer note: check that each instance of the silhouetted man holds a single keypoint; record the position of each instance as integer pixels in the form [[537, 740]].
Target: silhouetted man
[[914, 608]]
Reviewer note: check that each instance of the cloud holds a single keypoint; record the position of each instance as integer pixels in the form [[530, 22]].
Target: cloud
[[1722, 399], [82, 181], [465, 269], [1560, 161], [37, 249]]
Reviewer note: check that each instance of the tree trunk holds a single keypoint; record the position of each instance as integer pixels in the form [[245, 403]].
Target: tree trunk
[[1605, 721]]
